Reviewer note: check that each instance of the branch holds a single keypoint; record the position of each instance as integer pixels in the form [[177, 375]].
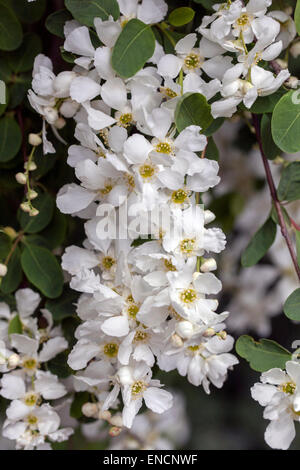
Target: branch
[[273, 192]]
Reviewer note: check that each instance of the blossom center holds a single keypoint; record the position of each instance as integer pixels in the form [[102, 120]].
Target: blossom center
[[289, 388], [188, 296], [169, 265], [187, 245], [125, 119], [111, 349], [138, 387], [168, 92], [31, 399], [108, 262], [192, 61], [140, 336], [164, 147], [179, 196], [30, 363], [147, 171]]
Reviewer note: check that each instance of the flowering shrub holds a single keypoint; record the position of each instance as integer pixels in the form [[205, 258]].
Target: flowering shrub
[[107, 267]]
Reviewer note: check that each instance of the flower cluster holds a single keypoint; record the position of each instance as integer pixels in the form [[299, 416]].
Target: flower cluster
[[31, 420], [147, 287], [279, 393]]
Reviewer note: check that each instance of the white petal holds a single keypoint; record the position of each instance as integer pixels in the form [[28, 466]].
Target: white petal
[[280, 433], [116, 326], [84, 89], [114, 93], [169, 66], [27, 301], [137, 148], [53, 347], [158, 400], [79, 42], [72, 198]]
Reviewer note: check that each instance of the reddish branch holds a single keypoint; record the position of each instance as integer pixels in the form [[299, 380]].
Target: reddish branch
[[274, 196]]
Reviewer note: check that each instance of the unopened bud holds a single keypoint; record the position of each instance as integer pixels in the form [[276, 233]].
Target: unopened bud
[[21, 178], [176, 341], [185, 329], [30, 166], [208, 265], [62, 82], [34, 212], [3, 270], [10, 232], [106, 415], [89, 410], [13, 360], [209, 333], [34, 140], [69, 108], [116, 421], [115, 431], [25, 207], [60, 123], [208, 217], [282, 63], [31, 194]]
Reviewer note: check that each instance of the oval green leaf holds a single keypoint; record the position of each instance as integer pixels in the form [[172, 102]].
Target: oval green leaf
[[134, 46], [260, 243], [10, 29], [291, 307], [262, 355], [42, 270], [85, 11], [181, 16], [29, 12], [15, 326], [286, 122], [45, 205], [269, 147], [56, 21], [10, 139], [193, 109], [13, 278], [289, 186], [22, 59]]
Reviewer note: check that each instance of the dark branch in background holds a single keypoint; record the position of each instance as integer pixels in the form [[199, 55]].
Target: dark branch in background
[[274, 196]]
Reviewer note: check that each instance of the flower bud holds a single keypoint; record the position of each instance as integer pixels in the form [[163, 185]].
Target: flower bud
[[35, 140], [117, 421], [208, 217], [13, 360], [10, 232], [3, 270], [115, 431], [292, 82], [31, 194], [25, 207], [62, 82], [208, 265], [51, 114], [185, 329], [89, 410], [30, 166], [60, 123], [21, 178], [34, 212], [295, 49], [176, 341]]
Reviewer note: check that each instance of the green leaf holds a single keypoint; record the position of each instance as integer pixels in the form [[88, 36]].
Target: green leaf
[[286, 123], [5, 71], [45, 205], [297, 16], [289, 186], [213, 127], [181, 16], [263, 354], [63, 307], [5, 245], [10, 139], [291, 307], [10, 29], [15, 326], [59, 366], [80, 398], [260, 243], [56, 21], [134, 46], [42, 270], [211, 151], [22, 59], [29, 12], [192, 109], [269, 147], [85, 11], [55, 233], [13, 278]]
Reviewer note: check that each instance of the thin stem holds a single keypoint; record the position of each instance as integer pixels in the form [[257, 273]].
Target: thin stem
[[274, 197], [14, 246]]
